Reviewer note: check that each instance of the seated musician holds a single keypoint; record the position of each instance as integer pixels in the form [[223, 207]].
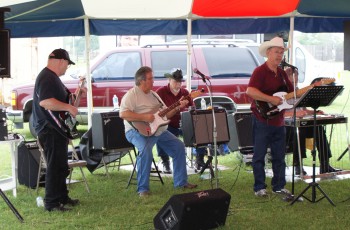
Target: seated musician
[[138, 108], [322, 145]]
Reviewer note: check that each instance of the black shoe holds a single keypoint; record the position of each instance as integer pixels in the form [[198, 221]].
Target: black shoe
[[298, 170], [71, 202], [199, 162], [59, 208], [330, 169], [166, 167]]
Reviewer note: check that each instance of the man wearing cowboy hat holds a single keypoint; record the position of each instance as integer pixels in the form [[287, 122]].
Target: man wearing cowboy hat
[[170, 94], [269, 132]]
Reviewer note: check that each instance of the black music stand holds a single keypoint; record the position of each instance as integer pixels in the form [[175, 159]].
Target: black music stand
[[314, 98]]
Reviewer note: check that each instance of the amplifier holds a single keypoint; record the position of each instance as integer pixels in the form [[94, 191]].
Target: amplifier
[[197, 127], [241, 131], [28, 164], [3, 125], [108, 131]]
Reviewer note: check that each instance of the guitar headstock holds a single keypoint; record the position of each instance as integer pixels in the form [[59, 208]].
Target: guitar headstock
[[324, 81], [82, 82], [195, 94]]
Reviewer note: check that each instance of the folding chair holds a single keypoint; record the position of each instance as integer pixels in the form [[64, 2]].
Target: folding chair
[[155, 170], [72, 163]]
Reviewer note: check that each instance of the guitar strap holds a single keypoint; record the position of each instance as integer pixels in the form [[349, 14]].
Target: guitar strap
[[157, 97], [284, 81]]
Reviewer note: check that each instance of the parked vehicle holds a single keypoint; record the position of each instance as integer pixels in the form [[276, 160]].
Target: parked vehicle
[[228, 66]]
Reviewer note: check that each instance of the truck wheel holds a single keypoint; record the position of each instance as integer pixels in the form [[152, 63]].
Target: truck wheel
[[31, 126]]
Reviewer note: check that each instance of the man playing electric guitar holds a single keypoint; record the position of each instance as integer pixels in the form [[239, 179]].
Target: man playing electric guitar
[[266, 80], [51, 98], [139, 105]]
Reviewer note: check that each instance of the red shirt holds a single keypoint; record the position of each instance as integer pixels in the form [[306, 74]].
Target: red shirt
[[265, 80], [169, 98]]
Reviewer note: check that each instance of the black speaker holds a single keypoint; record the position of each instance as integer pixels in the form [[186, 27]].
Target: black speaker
[[241, 131], [28, 164], [108, 131], [5, 53], [196, 210], [197, 127]]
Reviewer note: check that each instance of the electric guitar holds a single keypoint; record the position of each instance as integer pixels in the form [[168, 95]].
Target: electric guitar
[[67, 121], [268, 111], [160, 119]]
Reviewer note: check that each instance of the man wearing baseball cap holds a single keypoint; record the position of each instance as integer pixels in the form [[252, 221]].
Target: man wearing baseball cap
[[50, 99], [269, 132]]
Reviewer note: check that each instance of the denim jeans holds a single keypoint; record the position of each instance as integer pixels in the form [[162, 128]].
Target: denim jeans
[[174, 147], [265, 136], [161, 152]]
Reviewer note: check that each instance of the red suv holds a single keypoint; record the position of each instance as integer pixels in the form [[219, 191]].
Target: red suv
[[229, 67]]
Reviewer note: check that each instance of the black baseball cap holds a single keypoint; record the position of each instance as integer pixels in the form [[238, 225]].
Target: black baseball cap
[[176, 74], [61, 54]]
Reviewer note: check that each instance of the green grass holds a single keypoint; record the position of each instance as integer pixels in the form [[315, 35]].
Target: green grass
[[110, 205]]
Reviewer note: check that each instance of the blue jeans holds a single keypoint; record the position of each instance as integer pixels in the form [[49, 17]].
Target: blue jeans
[[161, 152], [265, 136], [175, 148]]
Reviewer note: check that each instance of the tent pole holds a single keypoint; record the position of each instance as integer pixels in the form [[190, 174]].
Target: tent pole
[[189, 73], [88, 76], [291, 40]]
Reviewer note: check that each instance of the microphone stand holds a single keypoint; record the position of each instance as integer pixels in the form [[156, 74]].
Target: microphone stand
[[214, 133]]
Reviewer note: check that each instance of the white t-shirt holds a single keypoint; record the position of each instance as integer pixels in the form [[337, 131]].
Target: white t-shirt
[[135, 100]]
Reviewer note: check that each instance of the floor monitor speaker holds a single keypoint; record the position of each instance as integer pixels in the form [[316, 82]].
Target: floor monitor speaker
[[197, 127], [28, 164], [196, 210], [106, 131]]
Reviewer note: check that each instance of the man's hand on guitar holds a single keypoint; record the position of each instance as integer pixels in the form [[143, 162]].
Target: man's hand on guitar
[[73, 110], [148, 117], [183, 103], [276, 100]]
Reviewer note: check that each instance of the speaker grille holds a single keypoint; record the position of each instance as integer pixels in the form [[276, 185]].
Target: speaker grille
[[197, 127], [108, 131]]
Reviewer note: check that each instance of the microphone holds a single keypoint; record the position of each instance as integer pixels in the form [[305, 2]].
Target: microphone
[[200, 74], [284, 64]]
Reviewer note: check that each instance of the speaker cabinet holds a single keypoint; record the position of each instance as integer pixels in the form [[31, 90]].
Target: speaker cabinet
[[196, 210], [197, 127], [28, 164], [5, 53], [241, 131], [108, 131]]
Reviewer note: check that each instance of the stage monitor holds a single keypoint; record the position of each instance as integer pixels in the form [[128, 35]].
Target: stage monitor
[[5, 53]]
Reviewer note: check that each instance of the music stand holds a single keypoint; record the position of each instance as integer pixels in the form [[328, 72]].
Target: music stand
[[314, 98]]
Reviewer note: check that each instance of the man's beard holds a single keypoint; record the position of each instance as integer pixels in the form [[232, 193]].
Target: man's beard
[[175, 90]]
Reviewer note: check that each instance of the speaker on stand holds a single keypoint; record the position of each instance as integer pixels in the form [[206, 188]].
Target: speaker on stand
[[196, 210], [197, 127], [108, 136]]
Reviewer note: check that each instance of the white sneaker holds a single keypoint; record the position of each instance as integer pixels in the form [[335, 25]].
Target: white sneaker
[[261, 193], [283, 191]]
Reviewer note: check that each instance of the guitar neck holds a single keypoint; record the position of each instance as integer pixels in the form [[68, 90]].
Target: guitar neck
[[79, 93], [173, 106], [299, 92]]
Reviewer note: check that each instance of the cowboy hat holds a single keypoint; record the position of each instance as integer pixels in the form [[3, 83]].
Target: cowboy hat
[[274, 42]]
